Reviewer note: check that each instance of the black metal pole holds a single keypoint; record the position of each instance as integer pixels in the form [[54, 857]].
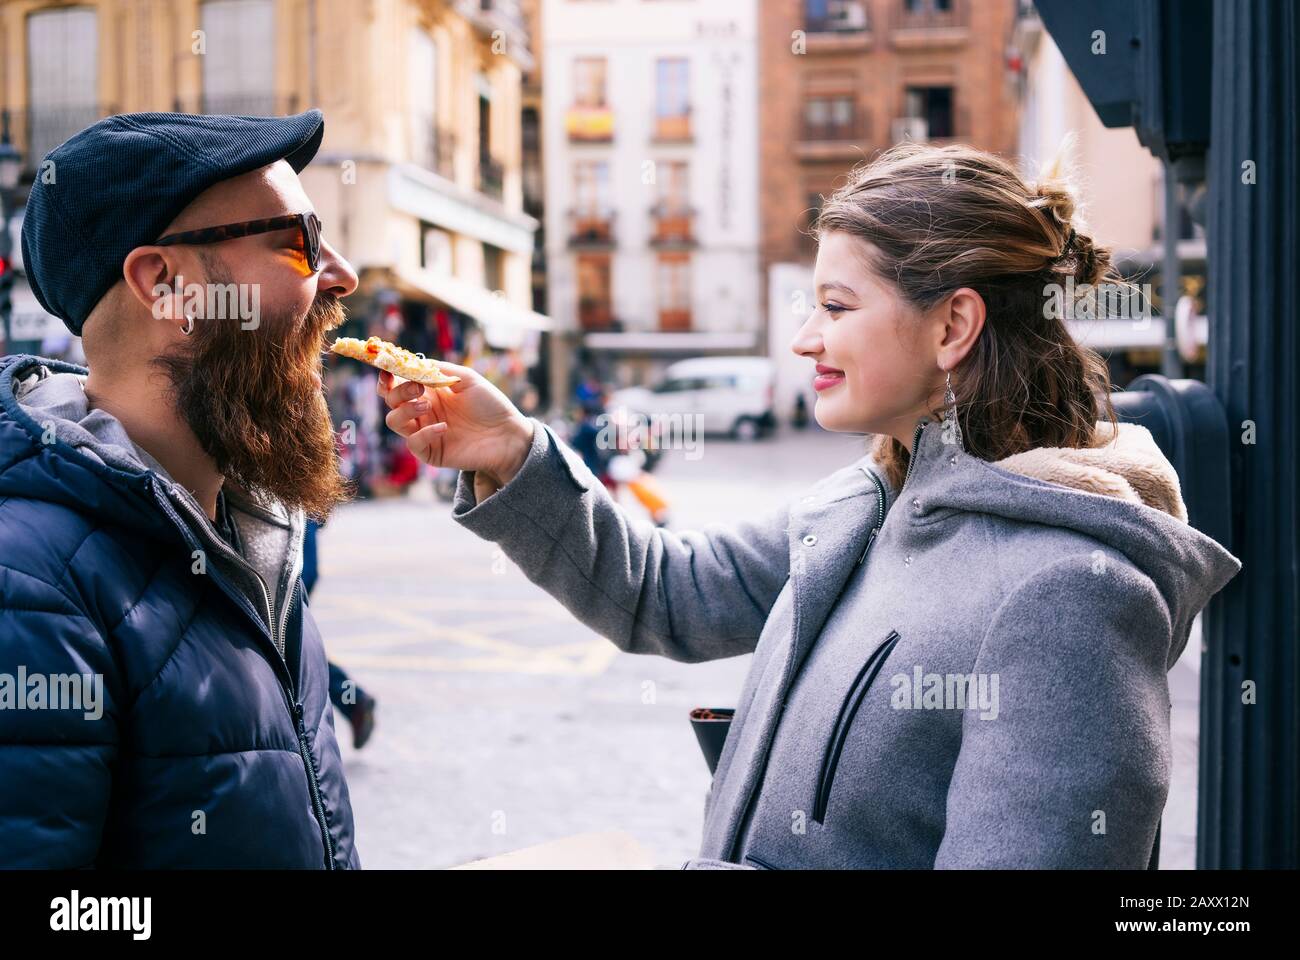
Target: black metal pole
[[1250, 751], [1171, 362]]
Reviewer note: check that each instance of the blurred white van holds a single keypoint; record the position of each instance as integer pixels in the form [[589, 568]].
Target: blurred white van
[[733, 395]]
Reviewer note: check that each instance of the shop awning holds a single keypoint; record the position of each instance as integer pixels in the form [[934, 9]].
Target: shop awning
[[504, 324]]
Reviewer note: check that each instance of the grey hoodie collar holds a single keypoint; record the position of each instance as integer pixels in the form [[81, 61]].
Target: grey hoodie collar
[[1187, 566]]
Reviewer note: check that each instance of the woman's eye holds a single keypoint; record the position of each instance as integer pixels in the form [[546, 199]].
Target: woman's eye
[[833, 308]]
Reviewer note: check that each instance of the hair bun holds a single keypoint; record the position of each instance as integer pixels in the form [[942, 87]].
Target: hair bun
[[1055, 197]]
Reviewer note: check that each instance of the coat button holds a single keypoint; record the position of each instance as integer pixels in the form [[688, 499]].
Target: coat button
[[809, 540], [907, 561], [916, 502]]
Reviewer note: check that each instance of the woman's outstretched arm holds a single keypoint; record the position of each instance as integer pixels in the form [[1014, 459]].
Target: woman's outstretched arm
[[691, 596]]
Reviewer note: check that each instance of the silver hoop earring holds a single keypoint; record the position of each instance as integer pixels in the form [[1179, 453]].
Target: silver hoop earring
[[951, 425], [189, 325]]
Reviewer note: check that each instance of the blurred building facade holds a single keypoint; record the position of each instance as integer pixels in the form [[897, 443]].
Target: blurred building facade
[[419, 178], [840, 81], [651, 157]]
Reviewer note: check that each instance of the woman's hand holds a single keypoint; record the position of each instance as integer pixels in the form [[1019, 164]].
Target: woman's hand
[[470, 425]]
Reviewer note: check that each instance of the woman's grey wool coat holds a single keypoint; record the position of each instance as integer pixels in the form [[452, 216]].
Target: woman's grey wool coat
[[967, 672]]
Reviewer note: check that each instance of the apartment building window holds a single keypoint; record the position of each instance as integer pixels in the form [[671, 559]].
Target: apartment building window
[[239, 59], [672, 98], [589, 119], [492, 172], [672, 210], [436, 249], [934, 106], [592, 215], [531, 172], [830, 117], [674, 291], [62, 92], [591, 186], [493, 278], [431, 143], [807, 236], [594, 307], [835, 16], [589, 82], [673, 180]]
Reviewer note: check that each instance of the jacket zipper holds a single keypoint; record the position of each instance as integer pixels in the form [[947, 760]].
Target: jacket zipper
[[916, 438], [880, 513], [848, 710], [287, 691], [318, 806], [289, 580], [880, 522]]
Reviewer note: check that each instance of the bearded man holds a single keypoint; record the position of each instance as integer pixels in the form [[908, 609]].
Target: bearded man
[[173, 707]]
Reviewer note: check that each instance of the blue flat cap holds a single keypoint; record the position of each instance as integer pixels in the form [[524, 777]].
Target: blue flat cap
[[117, 185]]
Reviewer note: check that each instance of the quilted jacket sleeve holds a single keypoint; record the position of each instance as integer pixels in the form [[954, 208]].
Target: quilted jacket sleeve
[[58, 727]]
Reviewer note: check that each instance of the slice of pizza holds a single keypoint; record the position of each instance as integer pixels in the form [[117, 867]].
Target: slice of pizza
[[396, 360]]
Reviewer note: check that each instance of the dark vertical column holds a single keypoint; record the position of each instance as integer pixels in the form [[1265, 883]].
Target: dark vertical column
[[1249, 753]]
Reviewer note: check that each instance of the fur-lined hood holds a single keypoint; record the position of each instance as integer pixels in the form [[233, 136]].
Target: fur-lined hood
[[1122, 492], [1129, 467]]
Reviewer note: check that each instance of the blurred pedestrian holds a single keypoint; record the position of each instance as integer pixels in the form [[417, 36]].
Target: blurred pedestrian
[[347, 696]]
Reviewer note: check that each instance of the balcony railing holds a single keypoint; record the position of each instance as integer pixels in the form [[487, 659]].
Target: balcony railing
[[675, 321], [435, 149], [855, 130], [595, 314], [673, 225], [673, 128], [926, 25], [245, 105], [493, 14], [842, 17], [917, 130], [591, 227], [491, 176], [590, 124], [38, 130]]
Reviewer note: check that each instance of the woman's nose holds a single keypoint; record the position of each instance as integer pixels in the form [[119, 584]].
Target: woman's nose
[[807, 341]]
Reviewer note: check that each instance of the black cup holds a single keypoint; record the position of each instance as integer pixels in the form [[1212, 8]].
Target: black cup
[[711, 725]]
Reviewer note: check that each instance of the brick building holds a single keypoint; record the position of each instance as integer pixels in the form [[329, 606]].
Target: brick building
[[841, 80]]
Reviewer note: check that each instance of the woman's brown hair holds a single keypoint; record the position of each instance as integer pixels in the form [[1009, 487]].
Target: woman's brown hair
[[942, 218]]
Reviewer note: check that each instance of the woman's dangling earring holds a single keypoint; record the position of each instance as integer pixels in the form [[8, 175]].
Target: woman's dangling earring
[[189, 324], [951, 425]]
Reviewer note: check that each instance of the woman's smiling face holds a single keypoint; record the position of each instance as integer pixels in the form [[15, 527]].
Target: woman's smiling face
[[875, 363]]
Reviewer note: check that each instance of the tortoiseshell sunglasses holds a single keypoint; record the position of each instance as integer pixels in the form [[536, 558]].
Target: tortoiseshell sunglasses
[[308, 223]]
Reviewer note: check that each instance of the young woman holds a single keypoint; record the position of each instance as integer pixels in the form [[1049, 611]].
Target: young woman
[[961, 640]]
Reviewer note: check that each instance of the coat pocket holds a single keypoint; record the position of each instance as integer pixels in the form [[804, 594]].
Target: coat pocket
[[848, 710]]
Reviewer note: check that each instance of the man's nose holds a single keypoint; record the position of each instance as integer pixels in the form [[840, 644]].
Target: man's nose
[[336, 275]]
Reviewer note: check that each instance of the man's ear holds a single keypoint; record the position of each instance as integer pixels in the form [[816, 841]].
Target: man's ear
[[152, 275], [964, 315]]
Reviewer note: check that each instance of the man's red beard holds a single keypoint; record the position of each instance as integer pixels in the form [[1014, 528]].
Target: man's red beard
[[254, 404]]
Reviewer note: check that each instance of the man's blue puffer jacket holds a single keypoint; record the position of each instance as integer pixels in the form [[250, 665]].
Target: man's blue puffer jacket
[[210, 749]]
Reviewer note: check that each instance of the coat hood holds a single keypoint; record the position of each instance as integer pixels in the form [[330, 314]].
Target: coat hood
[[53, 447], [1122, 492]]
